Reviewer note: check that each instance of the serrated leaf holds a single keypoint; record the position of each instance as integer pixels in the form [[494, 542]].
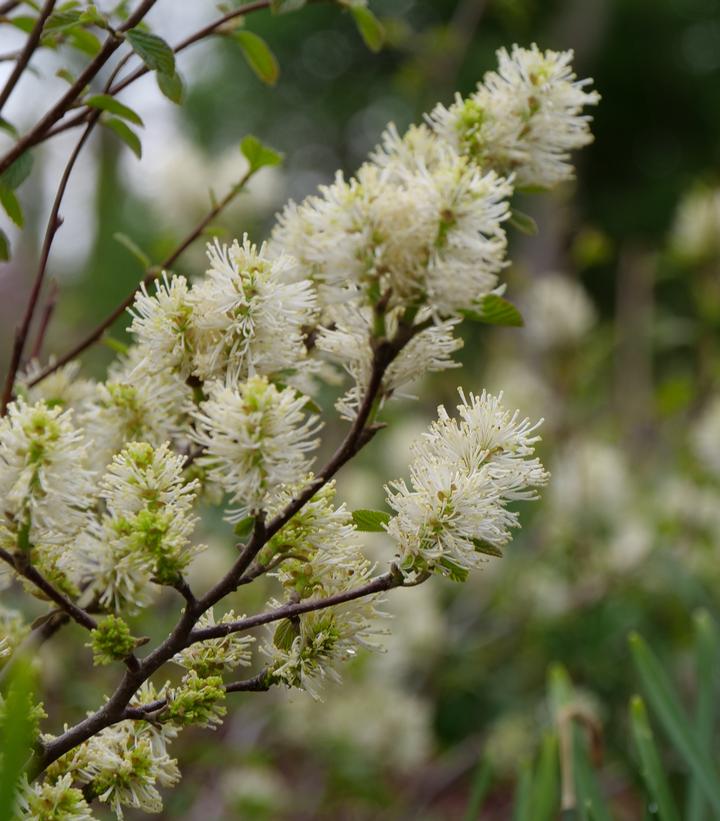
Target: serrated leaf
[[258, 154], [285, 634], [134, 249], [488, 549], [11, 204], [523, 222], [286, 6], [171, 85], [495, 310], [4, 246], [107, 103], [370, 521], [126, 134], [84, 41], [244, 527], [152, 50], [258, 55], [370, 28], [14, 176]]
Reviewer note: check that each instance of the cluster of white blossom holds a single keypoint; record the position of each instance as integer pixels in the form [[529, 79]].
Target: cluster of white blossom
[[99, 482]]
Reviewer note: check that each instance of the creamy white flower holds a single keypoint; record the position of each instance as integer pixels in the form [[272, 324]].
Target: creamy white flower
[[45, 485], [54, 801], [216, 656], [463, 475], [255, 439], [62, 387], [559, 311], [248, 318], [163, 325], [523, 119], [348, 341]]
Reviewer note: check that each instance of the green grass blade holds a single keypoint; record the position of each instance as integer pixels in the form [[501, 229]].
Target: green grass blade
[[478, 790], [545, 793], [706, 653], [522, 809], [590, 799], [652, 771], [676, 724], [16, 735]]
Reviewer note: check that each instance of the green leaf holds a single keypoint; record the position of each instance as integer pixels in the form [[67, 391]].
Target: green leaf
[[65, 74], [7, 126], [488, 549], [544, 793], [11, 205], [286, 633], [107, 103], [652, 770], [258, 55], [523, 222], [478, 790], [152, 50], [14, 176], [522, 809], [455, 572], [370, 521], [84, 41], [171, 85], [134, 249], [257, 154], [370, 28], [244, 527], [706, 658], [494, 310], [676, 724], [4, 246], [60, 20], [126, 134], [24, 22], [591, 802], [285, 6], [16, 736], [114, 344]]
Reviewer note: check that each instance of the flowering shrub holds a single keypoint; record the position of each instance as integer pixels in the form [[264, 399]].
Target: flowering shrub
[[211, 405]]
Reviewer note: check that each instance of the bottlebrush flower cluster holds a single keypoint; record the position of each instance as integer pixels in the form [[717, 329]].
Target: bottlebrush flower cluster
[[100, 483]]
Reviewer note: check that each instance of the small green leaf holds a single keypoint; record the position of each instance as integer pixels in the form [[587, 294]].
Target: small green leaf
[[17, 734], [286, 633], [258, 55], [488, 549], [285, 6], [652, 770], [14, 176], [671, 715], [126, 134], [8, 127], [370, 521], [114, 344], [134, 249], [4, 246], [107, 103], [24, 22], [11, 205], [152, 50], [370, 28], [454, 571], [65, 74], [523, 222], [258, 154], [244, 527], [84, 41], [60, 20], [171, 85], [494, 310]]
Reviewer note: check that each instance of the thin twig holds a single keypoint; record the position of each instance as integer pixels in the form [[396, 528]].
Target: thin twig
[[54, 223], [27, 52], [61, 107], [47, 314], [22, 565], [150, 276]]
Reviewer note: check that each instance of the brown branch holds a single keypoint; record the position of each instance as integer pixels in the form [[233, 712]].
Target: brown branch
[[21, 564], [150, 276], [61, 107], [54, 223], [27, 52], [47, 314]]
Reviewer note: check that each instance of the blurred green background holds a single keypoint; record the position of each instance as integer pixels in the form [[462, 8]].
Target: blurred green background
[[620, 354]]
